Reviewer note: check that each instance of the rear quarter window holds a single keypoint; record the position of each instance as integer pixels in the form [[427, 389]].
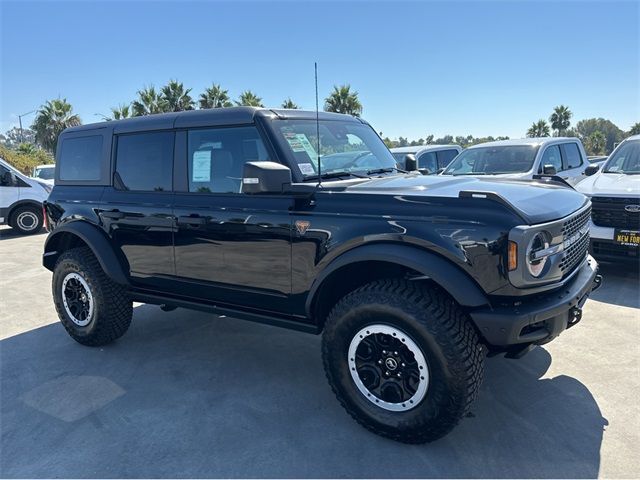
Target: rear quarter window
[[80, 158]]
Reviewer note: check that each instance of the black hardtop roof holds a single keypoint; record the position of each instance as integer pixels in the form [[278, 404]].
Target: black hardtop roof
[[203, 118]]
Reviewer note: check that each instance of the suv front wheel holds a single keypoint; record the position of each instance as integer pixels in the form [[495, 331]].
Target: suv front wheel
[[93, 309], [403, 359]]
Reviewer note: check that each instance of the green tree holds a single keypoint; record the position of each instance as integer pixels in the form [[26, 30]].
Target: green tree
[[635, 129], [343, 100], [249, 99], [560, 119], [215, 97], [52, 118], [596, 143], [175, 98], [584, 128], [288, 103], [147, 103], [121, 111], [538, 129], [13, 137], [27, 148]]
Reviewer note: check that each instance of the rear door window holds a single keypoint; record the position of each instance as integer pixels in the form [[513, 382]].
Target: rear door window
[[445, 157], [144, 162], [81, 158], [571, 154]]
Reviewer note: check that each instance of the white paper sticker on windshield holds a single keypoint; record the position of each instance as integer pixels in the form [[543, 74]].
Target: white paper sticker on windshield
[[300, 143], [201, 171], [306, 168]]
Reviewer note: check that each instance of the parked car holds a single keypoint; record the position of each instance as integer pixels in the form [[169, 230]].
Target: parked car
[[411, 278], [429, 158], [44, 173], [21, 200], [615, 198], [523, 158]]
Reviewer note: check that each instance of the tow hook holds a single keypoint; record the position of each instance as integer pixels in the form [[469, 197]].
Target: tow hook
[[575, 315], [597, 283]]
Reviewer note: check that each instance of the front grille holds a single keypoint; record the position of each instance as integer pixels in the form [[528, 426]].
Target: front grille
[[610, 212], [576, 243]]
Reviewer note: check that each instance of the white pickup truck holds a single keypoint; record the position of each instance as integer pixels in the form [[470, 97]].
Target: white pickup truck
[[523, 158], [614, 189]]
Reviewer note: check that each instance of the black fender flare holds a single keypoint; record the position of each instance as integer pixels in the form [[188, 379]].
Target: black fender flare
[[95, 240], [445, 273]]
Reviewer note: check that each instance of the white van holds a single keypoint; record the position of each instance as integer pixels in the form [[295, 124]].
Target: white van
[[21, 200], [523, 158]]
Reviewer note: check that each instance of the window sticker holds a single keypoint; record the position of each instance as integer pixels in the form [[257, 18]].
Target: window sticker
[[201, 171], [306, 168], [300, 143]]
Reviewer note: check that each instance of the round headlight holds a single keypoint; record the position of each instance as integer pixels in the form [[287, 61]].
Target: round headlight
[[540, 241]]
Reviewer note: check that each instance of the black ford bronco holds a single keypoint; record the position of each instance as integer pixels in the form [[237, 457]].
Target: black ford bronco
[[280, 217]]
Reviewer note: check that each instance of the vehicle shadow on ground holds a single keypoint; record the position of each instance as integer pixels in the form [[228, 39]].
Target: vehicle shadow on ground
[[7, 233], [185, 394], [621, 284]]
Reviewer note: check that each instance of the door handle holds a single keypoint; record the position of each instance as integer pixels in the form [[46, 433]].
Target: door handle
[[192, 221], [115, 214]]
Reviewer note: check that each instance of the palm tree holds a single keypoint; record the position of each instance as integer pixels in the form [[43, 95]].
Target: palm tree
[[343, 100], [249, 99], [596, 143], [560, 119], [215, 97], [635, 129], [175, 98], [538, 129], [52, 118], [290, 104], [121, 111], [148, 102]]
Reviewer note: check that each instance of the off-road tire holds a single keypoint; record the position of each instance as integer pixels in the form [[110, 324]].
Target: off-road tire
[[24, 214], [112, 310], [443, 333]]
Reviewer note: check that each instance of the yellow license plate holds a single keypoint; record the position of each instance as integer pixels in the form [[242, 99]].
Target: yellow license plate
[[630, 238]]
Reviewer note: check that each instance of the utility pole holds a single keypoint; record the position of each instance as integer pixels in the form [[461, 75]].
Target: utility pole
[[20, 121]]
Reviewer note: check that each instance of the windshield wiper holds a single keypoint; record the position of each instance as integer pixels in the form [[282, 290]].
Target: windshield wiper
[[337, 174], [385, 170], [467, 173]]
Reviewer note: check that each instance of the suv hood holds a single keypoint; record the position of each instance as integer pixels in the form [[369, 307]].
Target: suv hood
[[610, 184], [535, 202]]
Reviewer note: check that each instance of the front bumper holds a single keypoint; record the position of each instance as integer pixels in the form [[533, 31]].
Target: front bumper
[[542, 318]]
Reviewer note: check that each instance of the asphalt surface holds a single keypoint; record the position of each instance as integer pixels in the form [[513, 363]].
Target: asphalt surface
[[187, 394]]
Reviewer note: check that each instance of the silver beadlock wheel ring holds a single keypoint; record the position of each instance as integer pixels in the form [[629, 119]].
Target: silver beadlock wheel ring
[[77, 299], [388, 368], [27, 221]]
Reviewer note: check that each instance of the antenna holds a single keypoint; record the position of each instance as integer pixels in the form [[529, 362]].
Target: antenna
[[315, 64]]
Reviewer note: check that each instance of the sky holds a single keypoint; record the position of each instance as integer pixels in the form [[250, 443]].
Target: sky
[[480, 68]]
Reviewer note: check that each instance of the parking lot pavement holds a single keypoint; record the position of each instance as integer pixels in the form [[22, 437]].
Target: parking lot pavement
[[186, 394]]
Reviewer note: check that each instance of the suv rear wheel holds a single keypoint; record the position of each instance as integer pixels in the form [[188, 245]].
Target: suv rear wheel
[[27, 220], [93, 309], [402, 359]]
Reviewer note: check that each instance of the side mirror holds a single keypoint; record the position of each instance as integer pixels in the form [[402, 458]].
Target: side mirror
[[591, 169], [549, 170], [265, 177], [410, 163]]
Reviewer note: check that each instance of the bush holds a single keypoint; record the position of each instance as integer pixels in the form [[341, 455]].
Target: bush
[[25, 159]]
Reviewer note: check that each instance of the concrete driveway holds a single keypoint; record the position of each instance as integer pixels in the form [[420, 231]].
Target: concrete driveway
[[186, 394]]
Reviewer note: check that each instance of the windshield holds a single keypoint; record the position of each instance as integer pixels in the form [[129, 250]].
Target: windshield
[[344, 147], [626, 159], [493, 160], [45, 173]]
